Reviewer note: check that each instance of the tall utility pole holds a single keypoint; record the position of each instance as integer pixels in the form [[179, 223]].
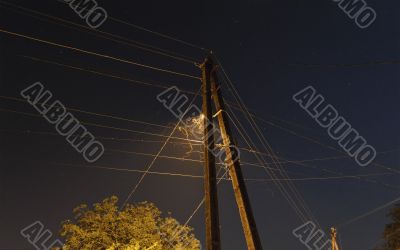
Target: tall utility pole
[[239, 187], [213, 241]]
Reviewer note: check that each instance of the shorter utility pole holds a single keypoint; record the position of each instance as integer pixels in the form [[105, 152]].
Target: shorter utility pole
[[335, 246], [213, 241], [232, 157]]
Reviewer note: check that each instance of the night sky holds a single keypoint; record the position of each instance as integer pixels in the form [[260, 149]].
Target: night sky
[[270, 49]]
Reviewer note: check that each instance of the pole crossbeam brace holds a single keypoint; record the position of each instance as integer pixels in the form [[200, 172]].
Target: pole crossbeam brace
[[213, 241], [232, 156]]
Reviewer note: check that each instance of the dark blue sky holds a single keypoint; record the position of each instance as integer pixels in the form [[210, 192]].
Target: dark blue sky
[[270, 49]]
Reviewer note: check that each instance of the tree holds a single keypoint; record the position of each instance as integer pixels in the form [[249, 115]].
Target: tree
[[391, 234], [135, 227]]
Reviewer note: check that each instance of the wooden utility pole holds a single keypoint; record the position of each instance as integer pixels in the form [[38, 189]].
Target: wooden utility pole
[[335, 246], [213, 241], [239, 187]]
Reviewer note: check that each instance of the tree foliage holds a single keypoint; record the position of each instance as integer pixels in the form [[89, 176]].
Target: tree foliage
[[391, 235], [136, 227]]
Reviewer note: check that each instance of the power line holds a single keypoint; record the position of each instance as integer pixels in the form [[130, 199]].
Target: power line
[[268, 147], [341, 174], [150, 166], [99, 54], [203, 200], [319, 178], [335, 149], [158, 154], [93, 113], [142, 153], [129, 170], [195, 176], [156, 85], [265, 121], [188, 159], [369, 213], [155, 155], [152, 32], [324, 145], [145, 141], [104, 126], [343, 65], [250, 114], [319, 143], [251, 144], [185, 139], [98, 137], [286, 129], [285, 161], [127, 130], [275, 179], [193, 160], [98, 33], [159, 34], [373, 181]]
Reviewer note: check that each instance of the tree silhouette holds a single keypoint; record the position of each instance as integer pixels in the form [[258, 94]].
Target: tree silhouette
[[135, 227], [391, 234]]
